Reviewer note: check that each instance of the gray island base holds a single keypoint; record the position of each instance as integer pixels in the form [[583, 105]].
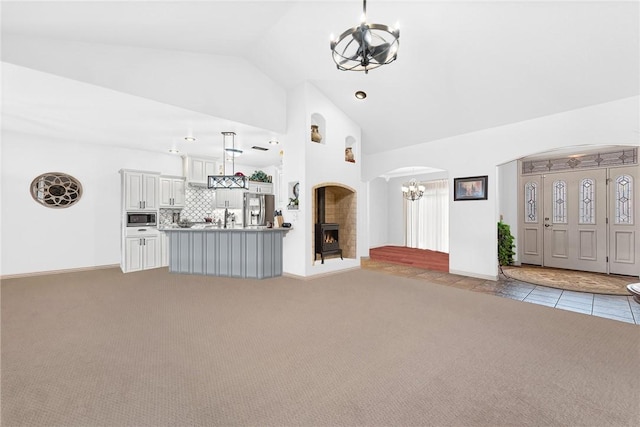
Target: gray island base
[[232, 252]]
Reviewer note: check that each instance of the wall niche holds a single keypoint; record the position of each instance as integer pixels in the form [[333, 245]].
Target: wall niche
[[350, 149], [318, 131]]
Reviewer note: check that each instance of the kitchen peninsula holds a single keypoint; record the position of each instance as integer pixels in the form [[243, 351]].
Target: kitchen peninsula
[[251, 252]]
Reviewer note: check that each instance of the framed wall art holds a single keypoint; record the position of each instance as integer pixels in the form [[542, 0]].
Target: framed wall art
[[470, 188]]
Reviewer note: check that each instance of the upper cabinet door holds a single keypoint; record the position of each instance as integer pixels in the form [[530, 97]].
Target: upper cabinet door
[[140, 191], [166, 191], [197, 169], [150, 199], [132, 191], [178, 192], [171, 192], [260, 187]]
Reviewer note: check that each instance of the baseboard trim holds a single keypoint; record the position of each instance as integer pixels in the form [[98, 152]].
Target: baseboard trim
[[67, 270], [317, 276], [477, 276]]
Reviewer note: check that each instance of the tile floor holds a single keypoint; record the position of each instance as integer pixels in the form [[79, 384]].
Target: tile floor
[[621, 308]]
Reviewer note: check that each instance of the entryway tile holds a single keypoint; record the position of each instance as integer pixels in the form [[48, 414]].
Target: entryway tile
[[617, 312], [576, 309], [575, 304], [548, 303]]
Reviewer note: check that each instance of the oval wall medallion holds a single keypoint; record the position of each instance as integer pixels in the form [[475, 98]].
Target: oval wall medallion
[[56, 190]]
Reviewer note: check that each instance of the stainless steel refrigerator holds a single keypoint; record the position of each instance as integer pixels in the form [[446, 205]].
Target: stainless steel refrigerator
[[258, 209]]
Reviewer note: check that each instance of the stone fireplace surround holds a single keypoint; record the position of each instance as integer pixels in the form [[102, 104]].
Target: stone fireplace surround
[[340, 208]]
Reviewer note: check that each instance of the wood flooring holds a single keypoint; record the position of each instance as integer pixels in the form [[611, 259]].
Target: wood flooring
[[420, 258]]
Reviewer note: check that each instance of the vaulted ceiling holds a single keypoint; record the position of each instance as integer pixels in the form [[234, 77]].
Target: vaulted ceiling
[[462, 66]]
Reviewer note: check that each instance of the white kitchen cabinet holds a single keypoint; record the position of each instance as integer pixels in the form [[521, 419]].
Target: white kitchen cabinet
[[140, 190], [231, 199], [260, 187], [197, 169], [171, 192], [142, 253]]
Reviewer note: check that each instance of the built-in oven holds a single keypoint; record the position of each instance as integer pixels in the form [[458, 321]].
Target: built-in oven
[[138, 219]]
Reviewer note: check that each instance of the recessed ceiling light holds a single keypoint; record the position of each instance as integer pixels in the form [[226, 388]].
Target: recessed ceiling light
[[174, 151], [189, 139], [361, 94]]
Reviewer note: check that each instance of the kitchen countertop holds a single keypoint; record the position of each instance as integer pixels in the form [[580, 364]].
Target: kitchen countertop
[[210, 227]]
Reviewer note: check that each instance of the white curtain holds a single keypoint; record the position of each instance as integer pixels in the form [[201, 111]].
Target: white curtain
[[427, 219]]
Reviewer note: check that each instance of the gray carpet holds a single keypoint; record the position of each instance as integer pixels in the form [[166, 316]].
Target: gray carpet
[[102, 348]]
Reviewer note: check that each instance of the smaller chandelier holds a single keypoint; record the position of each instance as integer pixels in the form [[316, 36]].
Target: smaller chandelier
[[412, 190], [366, 46]]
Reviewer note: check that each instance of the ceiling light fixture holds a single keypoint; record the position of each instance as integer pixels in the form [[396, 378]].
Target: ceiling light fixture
[[232, 181], [412, 190], [274, 142], [361, 94], [189, 139], [174, 151], [366, 46], [233, 152]]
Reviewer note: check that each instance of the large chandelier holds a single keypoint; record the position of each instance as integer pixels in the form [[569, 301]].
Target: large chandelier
[[366, 46], [412, 190], [232, 181]]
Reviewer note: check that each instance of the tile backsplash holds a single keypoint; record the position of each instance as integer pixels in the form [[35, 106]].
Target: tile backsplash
[[199, 204]]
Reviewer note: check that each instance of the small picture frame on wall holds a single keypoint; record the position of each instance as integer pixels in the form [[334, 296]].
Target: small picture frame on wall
[[470, 188]]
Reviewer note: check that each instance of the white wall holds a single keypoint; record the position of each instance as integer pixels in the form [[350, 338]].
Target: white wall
[[312, 164], [36, 238], [221, 86], [296, 254], [473, 238], [508, 199], [378, 213]]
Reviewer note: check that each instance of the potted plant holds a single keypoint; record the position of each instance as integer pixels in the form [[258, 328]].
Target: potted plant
[[505, 244], [259, 176]]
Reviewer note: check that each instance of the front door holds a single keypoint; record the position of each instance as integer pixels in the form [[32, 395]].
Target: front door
[[584, 219], [575, 220]]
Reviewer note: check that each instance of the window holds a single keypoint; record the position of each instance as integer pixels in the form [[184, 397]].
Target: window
[[427, 219], [624, 200], [587, 201], [560, 202], [531, 202]]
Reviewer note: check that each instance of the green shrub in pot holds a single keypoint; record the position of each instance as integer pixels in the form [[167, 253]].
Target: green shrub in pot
[[505, 244], [259, 176]]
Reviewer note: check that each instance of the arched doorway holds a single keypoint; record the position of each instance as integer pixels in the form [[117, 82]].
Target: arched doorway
[[334, 204]]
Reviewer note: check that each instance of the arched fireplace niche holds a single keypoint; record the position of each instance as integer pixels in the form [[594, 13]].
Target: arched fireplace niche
[[334, 204]]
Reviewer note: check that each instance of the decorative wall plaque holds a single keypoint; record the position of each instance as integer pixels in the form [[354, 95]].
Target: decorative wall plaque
[[56, 190]]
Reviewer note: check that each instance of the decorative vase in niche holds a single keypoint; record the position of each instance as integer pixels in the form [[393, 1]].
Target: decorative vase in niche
[[315, 135], [348, 155]]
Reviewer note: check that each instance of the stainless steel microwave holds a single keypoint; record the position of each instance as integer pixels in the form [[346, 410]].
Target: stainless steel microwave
[[136, 219]]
